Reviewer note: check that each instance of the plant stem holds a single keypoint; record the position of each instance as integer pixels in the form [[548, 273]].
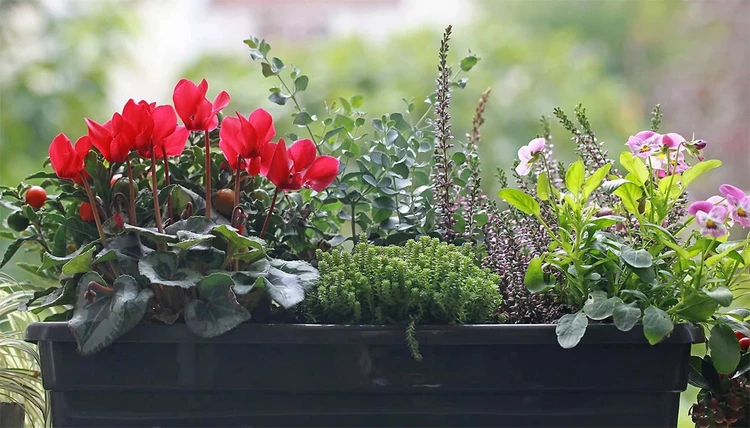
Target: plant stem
[[131, 207], [237, 182], [166, 183], [94, 210], [270, 213], [208, 175], [157, 210], [354, 224]]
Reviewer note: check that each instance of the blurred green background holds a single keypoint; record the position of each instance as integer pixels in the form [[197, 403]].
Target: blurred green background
[[65, 60]]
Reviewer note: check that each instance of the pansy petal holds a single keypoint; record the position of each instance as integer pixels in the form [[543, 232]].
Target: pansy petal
[[732, 193], [523, 168], [700, 206], [536, 145]]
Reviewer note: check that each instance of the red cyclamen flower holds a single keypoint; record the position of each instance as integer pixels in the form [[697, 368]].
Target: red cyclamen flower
[[195, 110], [68, 161], [246, 138], [299, 166], [110, 139], [147, 125]]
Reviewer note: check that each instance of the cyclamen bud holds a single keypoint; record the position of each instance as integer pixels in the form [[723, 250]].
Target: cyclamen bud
[[187, 212]]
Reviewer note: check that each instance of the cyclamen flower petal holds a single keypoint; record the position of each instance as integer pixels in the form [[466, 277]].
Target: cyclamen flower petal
[[195, 110], [644, 143], [67, 160], [246, 138], [298, 166], [712, 223]]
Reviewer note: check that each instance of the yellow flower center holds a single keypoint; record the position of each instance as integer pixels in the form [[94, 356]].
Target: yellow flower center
[[710, 224], [645, 148], [741, 212]]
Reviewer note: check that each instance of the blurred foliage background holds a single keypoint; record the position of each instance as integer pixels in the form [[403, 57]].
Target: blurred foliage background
[[618, 58]]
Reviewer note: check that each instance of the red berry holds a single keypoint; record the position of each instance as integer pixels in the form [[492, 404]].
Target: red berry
[[85, 211], [740, 335], [36, 197], [744, 343], [735, 402]]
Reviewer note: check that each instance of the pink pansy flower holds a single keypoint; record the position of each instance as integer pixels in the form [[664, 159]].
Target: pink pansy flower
[[739, 204], [708, 204], [672, 141], [712, 223], [644, 143], [675, 165], [529, 154]]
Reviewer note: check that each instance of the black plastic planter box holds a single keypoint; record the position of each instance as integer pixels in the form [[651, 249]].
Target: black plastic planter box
[[326, 376]]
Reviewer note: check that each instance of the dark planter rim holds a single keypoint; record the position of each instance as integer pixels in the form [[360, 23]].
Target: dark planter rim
[[312, 334]]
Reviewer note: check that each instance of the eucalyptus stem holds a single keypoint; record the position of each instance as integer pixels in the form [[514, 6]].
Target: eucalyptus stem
[[208, 175], [270, 213], [94, 210], [157, 210], [131, 188], [166, 183]]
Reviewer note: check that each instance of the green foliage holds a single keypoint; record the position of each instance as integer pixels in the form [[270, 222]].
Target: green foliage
[[620, 248], [425, 281]]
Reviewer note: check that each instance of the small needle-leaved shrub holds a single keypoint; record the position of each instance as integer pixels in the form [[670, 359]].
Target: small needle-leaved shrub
[[423, 282]]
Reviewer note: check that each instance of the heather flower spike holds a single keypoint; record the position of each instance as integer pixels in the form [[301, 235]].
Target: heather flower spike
[[712, 223], [529, 154]]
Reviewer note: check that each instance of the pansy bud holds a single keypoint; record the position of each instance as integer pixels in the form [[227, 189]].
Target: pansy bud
[[700, 144]]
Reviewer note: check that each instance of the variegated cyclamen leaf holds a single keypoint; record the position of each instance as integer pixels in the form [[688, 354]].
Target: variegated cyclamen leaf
[[217, 311], [163, 268], [96, 324]]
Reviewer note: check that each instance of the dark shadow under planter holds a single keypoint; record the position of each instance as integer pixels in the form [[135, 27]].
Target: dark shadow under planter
[[328, 375]]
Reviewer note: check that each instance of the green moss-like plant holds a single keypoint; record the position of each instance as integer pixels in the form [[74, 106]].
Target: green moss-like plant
[[423, 282]]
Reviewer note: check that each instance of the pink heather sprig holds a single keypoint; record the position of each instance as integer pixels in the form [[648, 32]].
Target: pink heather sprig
[[442, 177]]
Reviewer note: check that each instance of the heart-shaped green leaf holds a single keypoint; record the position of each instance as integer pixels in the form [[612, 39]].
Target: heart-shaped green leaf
[[520, 200], [625, 316], [570, 329], [231, 235], [97, 324], [245, 281], [656, 324], [636, 258], [306, 272], [598, 306], [217, 311], [163, 268], [79, 264]]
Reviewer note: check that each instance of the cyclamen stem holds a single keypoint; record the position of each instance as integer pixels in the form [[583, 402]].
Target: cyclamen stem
[[270, 213], [131, 206], [237, 182], [157, 210], [208, 175], [170, 214], [94, 210]]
